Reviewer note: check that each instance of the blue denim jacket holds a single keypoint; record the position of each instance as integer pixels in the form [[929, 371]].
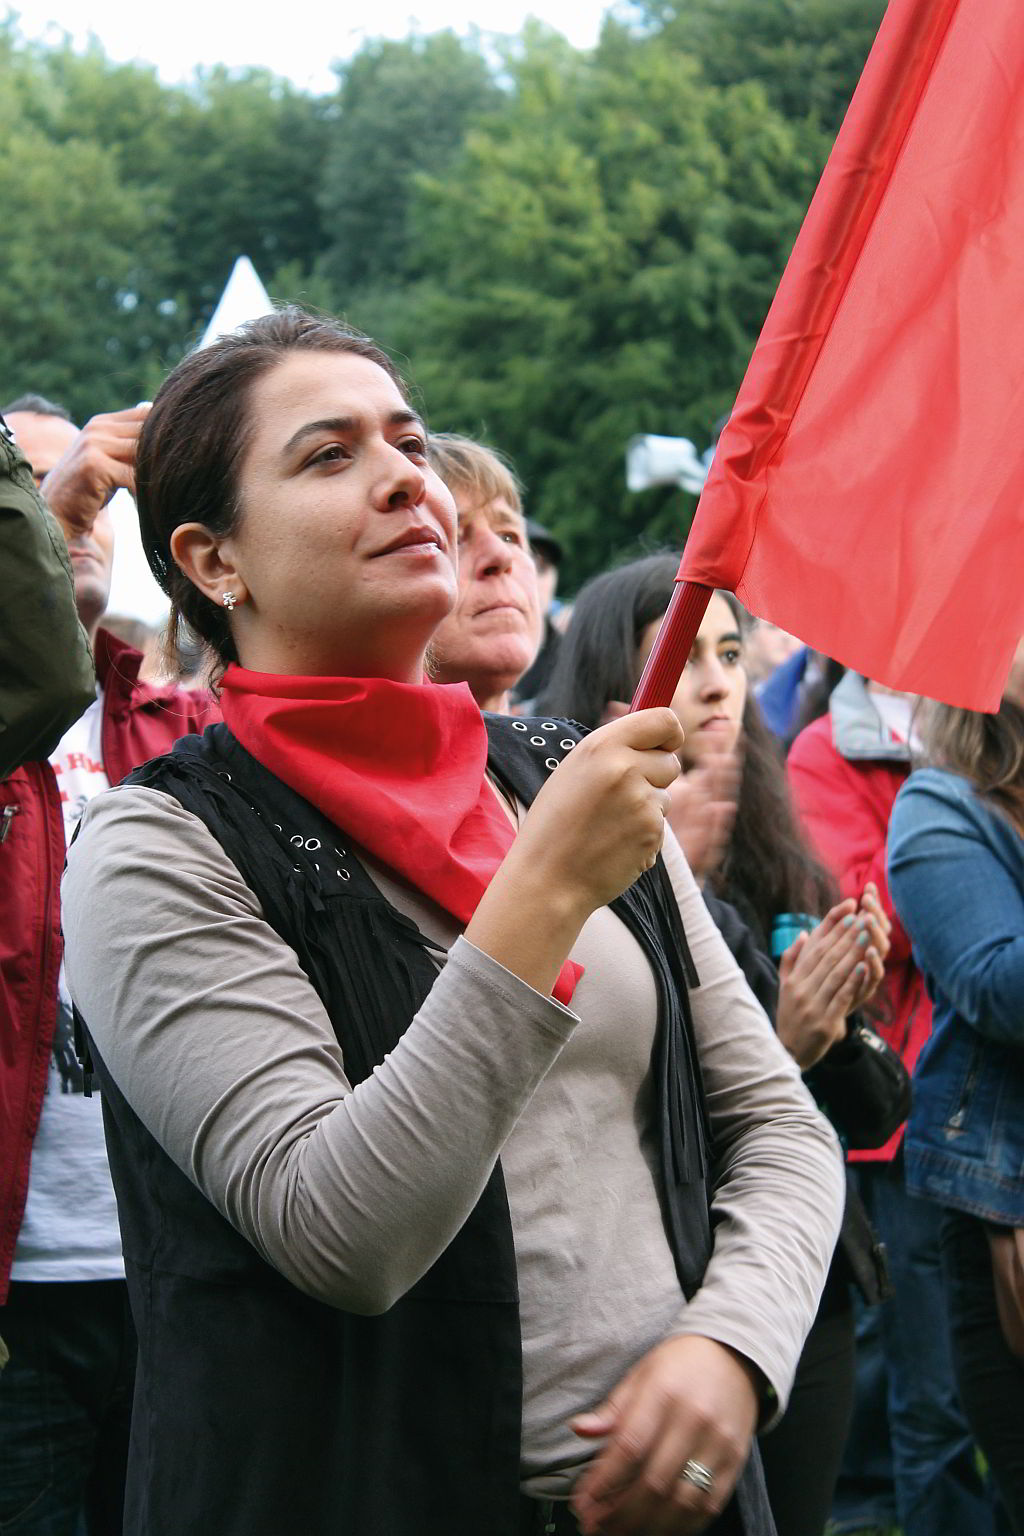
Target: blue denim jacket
[[956, 875]]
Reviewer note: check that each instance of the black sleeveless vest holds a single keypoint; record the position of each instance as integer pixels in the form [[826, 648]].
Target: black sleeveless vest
[[260, 1411]]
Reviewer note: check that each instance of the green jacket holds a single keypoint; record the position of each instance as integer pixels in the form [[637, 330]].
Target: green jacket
[[46, 671]]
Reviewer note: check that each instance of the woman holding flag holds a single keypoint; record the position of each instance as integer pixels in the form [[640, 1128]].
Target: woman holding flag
[[459, 1189]]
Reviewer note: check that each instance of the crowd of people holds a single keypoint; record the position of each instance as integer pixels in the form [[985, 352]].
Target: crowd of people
[[436, 1100]]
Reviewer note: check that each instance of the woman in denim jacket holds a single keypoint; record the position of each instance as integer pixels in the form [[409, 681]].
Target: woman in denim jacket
[[956, 875]]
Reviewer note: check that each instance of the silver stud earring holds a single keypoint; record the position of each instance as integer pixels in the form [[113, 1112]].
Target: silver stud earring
[[229, 600]]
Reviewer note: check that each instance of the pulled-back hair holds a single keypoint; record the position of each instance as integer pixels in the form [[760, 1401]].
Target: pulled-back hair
[[986, 749], [769, 867], [480, 475], [193, 441]]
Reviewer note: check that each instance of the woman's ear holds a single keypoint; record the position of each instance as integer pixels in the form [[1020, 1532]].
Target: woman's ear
[[198, 554]]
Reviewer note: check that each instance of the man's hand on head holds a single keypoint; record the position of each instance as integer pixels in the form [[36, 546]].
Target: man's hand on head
[[99, 462]]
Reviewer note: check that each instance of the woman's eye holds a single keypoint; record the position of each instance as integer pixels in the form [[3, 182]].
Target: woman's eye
[[415, 447], [332, 454], [733, 656]]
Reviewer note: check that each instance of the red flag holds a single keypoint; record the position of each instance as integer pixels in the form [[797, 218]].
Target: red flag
[[868, 491]]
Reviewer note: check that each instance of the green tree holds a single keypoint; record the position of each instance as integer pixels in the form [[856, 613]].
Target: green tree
[[70, 278], [601, 257], [806, 55], [246, 161], [197, 174], [403, 108]]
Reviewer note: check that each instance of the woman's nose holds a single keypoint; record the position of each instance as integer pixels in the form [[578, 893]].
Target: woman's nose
[[401, 483], [714, 683], [490, 552]]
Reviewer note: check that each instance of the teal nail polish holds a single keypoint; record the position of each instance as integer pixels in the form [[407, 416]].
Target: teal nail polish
[[847, 922], [862, 938]]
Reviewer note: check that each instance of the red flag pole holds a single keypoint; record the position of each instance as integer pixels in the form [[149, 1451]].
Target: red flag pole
[[665, 664]]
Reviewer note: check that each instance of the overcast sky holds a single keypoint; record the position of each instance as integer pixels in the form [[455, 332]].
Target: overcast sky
[[177, 36]]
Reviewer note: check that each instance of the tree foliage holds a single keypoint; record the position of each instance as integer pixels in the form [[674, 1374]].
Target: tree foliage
[[563, 247], [601, 257], [402, 108], [805, 54]]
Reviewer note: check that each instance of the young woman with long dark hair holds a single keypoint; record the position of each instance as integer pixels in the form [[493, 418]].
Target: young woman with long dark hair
[[414, 1247], [733, 816]]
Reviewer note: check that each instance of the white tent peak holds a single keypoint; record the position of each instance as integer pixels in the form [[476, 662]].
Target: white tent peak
[[133, 591], [244, 298]]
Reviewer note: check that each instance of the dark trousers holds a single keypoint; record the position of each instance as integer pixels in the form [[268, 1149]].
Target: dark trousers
[[990, 1378], [65, 1408], [801, 1455], [910, 1459]]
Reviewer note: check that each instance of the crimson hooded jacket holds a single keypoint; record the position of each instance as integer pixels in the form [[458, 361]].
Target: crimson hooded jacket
[[845, 771], [140, 721]]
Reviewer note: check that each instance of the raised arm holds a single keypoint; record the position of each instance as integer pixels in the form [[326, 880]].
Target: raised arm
[[351, 1194]]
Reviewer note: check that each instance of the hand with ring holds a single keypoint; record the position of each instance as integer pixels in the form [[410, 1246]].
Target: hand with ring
[[699, 1475], [678, 1427]]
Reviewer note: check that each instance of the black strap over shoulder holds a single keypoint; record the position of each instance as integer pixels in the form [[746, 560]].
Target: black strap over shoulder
[[523, 755]]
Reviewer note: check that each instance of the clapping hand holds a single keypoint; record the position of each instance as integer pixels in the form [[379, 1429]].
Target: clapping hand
[[827, 974]]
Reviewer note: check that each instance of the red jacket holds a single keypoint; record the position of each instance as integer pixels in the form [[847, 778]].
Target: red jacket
[[139, 722], [845, 771]]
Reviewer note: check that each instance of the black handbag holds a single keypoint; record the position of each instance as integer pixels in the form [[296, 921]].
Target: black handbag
[[863, 1087]]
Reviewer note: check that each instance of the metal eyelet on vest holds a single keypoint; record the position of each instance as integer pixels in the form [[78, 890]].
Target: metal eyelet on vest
[[222, 773], [537, 741], [517, 725], [548, 725], [296, 841], [343, 874], [551, 762], [312, 843], [567, 745]]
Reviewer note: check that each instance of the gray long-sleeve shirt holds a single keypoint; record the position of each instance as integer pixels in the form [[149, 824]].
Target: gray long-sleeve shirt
[[352, 1194]]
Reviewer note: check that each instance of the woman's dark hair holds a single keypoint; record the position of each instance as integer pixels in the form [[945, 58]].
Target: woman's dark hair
[[596, 661], [986, 749], [769, 867], [193, 440]]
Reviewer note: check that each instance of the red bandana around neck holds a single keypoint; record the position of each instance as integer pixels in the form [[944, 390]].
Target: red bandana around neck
[[399, 767]]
